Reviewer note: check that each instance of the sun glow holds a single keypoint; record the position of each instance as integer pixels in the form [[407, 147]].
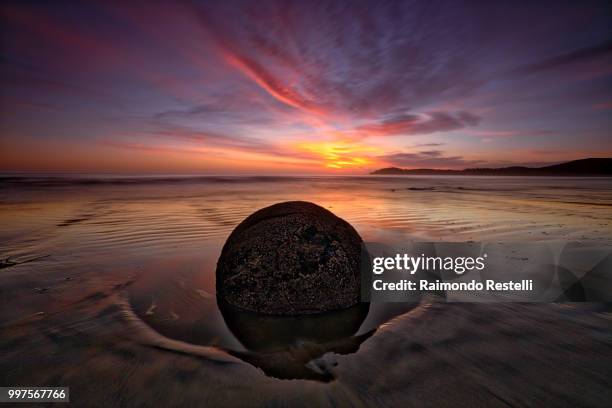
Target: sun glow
[[340, 154]]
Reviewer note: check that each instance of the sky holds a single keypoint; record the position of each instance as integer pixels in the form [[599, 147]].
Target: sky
[[302, 87]]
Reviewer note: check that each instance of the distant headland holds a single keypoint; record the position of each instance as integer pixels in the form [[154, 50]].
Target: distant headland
[[583, 167]]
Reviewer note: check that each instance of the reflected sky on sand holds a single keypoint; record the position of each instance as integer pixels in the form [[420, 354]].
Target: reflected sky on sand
[[119, 273]]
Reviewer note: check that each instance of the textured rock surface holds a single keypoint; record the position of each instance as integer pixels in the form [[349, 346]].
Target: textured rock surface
[[291, 258]]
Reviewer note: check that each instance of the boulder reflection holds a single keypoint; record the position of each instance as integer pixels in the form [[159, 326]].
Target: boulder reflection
[[292, 347]]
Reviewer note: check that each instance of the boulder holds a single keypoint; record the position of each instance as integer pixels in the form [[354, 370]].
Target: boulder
[[291, 258]]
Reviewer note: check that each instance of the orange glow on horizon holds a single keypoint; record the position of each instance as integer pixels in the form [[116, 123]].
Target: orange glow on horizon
[[340, 154]]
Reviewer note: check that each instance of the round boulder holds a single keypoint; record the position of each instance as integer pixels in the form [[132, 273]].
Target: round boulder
[[291, 258]]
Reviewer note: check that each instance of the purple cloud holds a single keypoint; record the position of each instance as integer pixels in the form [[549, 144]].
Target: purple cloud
[[427, 159], [412, 124]]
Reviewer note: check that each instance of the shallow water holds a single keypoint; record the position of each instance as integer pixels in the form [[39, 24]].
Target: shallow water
[[111, 282]]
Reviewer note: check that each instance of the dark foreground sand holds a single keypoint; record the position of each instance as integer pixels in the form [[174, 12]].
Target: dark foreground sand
[[435, 355]]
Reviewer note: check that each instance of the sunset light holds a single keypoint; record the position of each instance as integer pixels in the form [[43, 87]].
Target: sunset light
[[340, 154], [229, 87]]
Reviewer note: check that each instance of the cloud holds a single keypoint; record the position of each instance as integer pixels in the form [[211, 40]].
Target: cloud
[[243, 58], [35, 81], [210, 138], [603, 105], [428, 144], [493, 134], [273, 85], [413, 124], [121, 144], [427, 159], [330, 59], [431, 153], [194, 111], [575, 56], [232, 109]]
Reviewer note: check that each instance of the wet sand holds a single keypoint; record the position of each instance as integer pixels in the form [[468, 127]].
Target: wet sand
[[115, 297]]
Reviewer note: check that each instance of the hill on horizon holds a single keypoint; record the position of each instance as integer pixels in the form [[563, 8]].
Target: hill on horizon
[[582, 167]]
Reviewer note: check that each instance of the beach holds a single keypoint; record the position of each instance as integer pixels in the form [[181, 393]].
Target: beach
[[108, 287]]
